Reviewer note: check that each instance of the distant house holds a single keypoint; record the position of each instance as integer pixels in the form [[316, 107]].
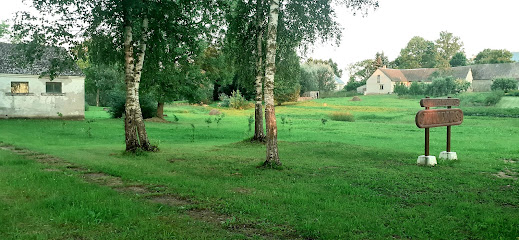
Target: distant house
[[23, 94], [383, 80], [484, 74], [339, 84]]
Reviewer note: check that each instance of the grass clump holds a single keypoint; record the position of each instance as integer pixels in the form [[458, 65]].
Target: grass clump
[[342, 116], [480, 99]]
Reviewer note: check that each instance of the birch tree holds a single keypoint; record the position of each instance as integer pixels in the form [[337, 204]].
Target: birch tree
[[126, 25], [270, 72]]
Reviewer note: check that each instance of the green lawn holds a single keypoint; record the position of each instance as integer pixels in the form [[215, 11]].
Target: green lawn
[[508, 102], [341, 180]]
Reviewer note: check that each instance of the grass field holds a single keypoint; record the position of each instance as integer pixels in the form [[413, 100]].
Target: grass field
[[508, 102], [340, 180]]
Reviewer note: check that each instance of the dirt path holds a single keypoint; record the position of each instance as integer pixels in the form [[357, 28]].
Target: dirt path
[[153, 194]]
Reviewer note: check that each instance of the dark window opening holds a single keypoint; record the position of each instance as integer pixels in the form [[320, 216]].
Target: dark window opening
[[53, 87], [381, 87], [19, 87]]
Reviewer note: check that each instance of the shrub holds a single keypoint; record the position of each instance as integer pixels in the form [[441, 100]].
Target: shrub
[[514, 93], [117, 100], [87, 107], [237, 101], [224, 100], [342, 116], [493, 98], [504, 84], [417, 88], [442, 86], [401, 89]]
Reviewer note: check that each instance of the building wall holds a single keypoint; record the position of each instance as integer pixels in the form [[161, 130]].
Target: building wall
[[481, 85], [373, 85], [39, 104]]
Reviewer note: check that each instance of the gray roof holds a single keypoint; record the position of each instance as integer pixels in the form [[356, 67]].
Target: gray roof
[[338, 80], [492, 71], [9, 64], [479, 72]]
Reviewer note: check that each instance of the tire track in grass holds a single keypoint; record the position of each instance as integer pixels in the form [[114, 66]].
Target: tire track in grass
[[153, 194]]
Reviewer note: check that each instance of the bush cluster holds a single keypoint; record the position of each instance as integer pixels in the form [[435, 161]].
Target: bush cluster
[[440, 86], [236, 100], [342, 116], [480, 99], [504, 84], [117, 100]]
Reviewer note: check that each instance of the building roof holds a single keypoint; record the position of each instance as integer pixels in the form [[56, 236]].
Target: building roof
[[395, 75], [338, 80], [479, 72], [9, 65], [492, 71]]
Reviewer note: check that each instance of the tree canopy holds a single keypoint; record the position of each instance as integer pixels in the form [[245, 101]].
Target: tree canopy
[[493, 56]]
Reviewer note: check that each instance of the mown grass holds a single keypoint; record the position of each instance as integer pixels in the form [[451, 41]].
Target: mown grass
[[342, 180]]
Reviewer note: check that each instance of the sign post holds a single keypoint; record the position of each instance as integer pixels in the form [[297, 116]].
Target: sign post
[[438, 118]]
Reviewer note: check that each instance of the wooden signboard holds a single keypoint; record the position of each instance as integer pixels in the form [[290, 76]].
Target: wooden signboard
[[429, 118], [439, 118], [439, 102]]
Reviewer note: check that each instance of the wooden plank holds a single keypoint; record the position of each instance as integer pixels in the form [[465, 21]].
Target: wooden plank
[[439, 118], [439, 102]]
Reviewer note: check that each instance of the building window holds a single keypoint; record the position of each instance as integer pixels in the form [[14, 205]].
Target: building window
[[378, 78], [381, 87], [19, 87], [53, 87]]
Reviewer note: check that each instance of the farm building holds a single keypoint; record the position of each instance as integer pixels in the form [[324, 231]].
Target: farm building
[[339, 84], [24, 94], [383, 80]]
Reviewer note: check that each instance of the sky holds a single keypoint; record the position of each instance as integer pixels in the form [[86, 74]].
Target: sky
[[479, 24]]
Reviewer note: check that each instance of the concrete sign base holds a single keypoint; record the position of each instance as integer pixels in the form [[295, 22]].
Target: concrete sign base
[[426, 160], [448, 155]]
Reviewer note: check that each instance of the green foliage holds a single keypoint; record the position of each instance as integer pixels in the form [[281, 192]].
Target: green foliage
[[480, 99], [225, 101], [417, 88], [317, 77], [323, 121], [102, 78], [419, 53], [342, 116], [87, 107], [117, 100], [504, 84], [514, 93], [237, 101], [329, 62], [491, 56], [459, 59], [443, 86], [492, 112], [286, 86], [353, 85], [401, 89], [4, 29], [447, 46]]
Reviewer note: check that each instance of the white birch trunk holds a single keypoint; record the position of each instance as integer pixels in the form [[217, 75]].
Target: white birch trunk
[[272, 157]]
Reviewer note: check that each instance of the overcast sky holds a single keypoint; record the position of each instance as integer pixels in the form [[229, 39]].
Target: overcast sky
[[480, 24]]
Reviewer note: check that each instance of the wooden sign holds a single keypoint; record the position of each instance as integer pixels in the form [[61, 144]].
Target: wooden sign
[[439, 102], [438, 117]]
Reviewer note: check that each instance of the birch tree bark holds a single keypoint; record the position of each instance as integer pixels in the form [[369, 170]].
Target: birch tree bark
[[135, 130], [270, 71], [259, 133]]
